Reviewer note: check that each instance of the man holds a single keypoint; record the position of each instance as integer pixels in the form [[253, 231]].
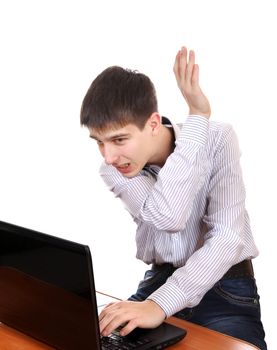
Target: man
[[183, 187]]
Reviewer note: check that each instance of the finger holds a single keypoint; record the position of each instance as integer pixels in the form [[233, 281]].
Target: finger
[[189, 67], [177, 66], [183, 66], [109, 328], [106, 317], [103, 324], [195, 76], [119, 325], [128, 328], [110, 323]]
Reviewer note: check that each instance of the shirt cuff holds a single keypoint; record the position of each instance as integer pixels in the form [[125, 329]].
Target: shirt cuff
[[195, 129], [170, 298]]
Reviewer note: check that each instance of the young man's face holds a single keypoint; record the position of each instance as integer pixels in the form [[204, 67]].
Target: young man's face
[[128, 149]]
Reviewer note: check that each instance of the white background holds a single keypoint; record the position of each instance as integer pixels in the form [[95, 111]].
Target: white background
[[50, 53]]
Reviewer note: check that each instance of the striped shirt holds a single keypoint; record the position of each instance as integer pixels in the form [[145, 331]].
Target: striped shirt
[[191, 212]]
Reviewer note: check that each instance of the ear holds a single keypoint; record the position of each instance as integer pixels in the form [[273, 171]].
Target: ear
[[154, 122]]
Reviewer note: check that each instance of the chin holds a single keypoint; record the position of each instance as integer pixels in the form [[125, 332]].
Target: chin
[[133, 172]]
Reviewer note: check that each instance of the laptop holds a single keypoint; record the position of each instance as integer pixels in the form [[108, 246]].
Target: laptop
[[47, 291]]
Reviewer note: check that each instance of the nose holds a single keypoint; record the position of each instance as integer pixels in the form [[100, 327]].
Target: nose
[[110, 155]]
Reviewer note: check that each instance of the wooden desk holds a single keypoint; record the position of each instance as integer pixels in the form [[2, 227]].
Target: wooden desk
[[10, 339], [197, 338], [200, 338]]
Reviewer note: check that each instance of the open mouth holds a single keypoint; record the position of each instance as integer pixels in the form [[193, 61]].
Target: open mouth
[[124, 168]]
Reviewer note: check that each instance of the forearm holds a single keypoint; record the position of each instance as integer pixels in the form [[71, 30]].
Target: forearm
[[166, 202], [187, 286], [168, 206]]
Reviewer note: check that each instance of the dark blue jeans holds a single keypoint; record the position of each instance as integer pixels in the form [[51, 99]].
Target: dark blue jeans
[[231, 307]]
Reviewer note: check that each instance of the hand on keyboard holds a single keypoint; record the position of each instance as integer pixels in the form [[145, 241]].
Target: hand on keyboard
[[144, 314]]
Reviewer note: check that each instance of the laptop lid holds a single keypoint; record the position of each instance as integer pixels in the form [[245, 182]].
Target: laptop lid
[[45, 288], [47, 291]]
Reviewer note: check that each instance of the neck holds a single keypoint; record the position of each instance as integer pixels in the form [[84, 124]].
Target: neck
[[165, 145]]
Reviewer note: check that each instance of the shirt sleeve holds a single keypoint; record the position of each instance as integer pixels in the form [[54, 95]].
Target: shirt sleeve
[[225, 243], [166, 201]]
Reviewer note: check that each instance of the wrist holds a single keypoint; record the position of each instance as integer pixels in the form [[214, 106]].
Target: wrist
[[205, 114], [158, 309]]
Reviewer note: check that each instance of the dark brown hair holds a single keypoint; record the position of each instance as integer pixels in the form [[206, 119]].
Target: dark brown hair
[[118, 97]]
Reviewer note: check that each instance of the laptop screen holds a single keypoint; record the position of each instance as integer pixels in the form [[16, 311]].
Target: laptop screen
[[46, 286]]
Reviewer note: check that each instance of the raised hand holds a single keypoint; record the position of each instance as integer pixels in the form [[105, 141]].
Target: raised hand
[[187, 76]]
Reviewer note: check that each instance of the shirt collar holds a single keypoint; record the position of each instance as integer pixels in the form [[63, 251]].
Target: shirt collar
[[168, 123]]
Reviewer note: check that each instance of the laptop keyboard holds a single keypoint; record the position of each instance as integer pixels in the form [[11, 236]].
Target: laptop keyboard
[[117, 342]]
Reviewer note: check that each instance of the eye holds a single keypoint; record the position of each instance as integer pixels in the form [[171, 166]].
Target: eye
[[119, 141], [99, 143]]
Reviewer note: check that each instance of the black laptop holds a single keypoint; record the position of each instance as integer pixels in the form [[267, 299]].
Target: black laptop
[[47, 292]]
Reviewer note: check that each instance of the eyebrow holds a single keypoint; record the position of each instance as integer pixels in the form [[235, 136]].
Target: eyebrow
[[112, 137]]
